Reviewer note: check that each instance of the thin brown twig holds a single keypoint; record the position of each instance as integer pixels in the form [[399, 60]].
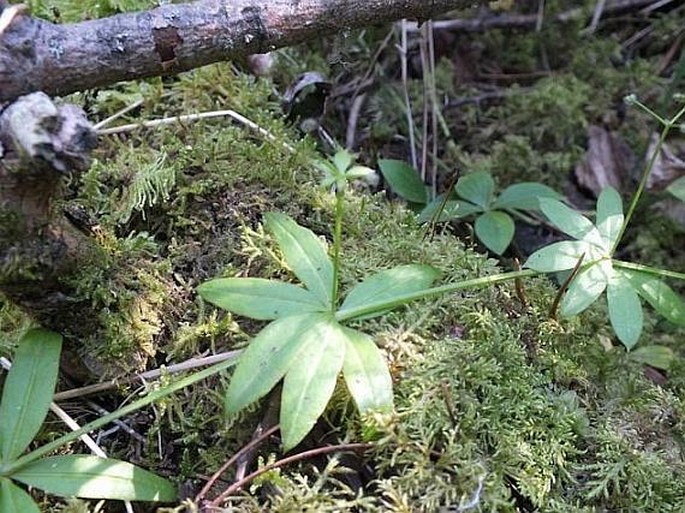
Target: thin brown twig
[[254, 443], [518, 284], [404, 49], [285, 461], [152, 374], [352, 120], [196, 117], [596, 16], [369, 70], [511, 21], [434, 109], [564, 286]]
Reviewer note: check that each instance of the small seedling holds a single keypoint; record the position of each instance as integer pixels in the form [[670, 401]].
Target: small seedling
[[624, 282], [307, 344], [494, 215], [25, 402]]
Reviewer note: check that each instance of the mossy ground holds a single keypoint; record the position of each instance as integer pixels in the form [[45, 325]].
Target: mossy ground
[[499, 408]]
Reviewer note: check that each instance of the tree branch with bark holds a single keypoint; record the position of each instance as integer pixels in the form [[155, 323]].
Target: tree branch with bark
[[42, 248], [36, 55]]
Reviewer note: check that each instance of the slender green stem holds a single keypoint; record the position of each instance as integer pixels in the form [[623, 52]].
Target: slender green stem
[[649, 270], [649, 111], [337, 242], [641, 186], [667, 126], [153, 396], [386, 304]]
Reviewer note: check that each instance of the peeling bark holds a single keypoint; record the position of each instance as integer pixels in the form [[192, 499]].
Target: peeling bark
[[36, 55], [38, 246]]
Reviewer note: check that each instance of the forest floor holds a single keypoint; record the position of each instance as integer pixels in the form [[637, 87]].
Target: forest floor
[[498, 406]]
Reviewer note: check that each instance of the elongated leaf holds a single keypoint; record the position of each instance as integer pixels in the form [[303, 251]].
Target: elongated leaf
[[609, 215], [269, 356], [570, 221], [305, 254], [625, 310], [15, 500], [342, 160], [677, 188], [404, 180], [260, 299], [452, 209], [659, 295], [362, 173], [366, 373], [90, 477], [524, 196], [559, 256], [495, 230], [660, 357], [477, 187], [309, 384], [586, 288], [388, 284], [28, 390]]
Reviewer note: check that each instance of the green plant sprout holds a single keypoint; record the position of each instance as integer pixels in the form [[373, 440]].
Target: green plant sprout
[[494, 224], [26, 399], [596, 244], [307, 345]]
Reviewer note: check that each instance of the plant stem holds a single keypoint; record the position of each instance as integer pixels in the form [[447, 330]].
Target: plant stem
[[337, 242], [667, 125], [649, 270], [153, 396], [386, 304]]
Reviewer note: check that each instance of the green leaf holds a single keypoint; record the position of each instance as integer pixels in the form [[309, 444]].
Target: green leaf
[[570, 221], [343, 159], [524, 196], [625, 310], [386, 285], [659, 357], [28, 391], [559, 256], [366, 373], [477, 187], [495, 229], [305, 254], [90, 477], [452, 209], [309, 384], [587, 286], [659, 295], [15, 500], [609, 216], [404, 180], [269, 356], [361, 172], [677, 188], [260, 299]]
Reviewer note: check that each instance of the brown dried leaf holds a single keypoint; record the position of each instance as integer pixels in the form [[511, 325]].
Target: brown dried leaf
[[668, 165], [607, 162]]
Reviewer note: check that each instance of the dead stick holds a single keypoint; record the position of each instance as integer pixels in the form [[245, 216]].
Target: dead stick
[[285, 461], [254, 443]]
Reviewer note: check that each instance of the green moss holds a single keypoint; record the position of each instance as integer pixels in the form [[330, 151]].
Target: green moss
[[521, 407], [497, 405]]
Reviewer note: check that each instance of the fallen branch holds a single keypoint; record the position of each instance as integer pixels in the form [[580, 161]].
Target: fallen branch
[[36, 55], [530, 21]]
